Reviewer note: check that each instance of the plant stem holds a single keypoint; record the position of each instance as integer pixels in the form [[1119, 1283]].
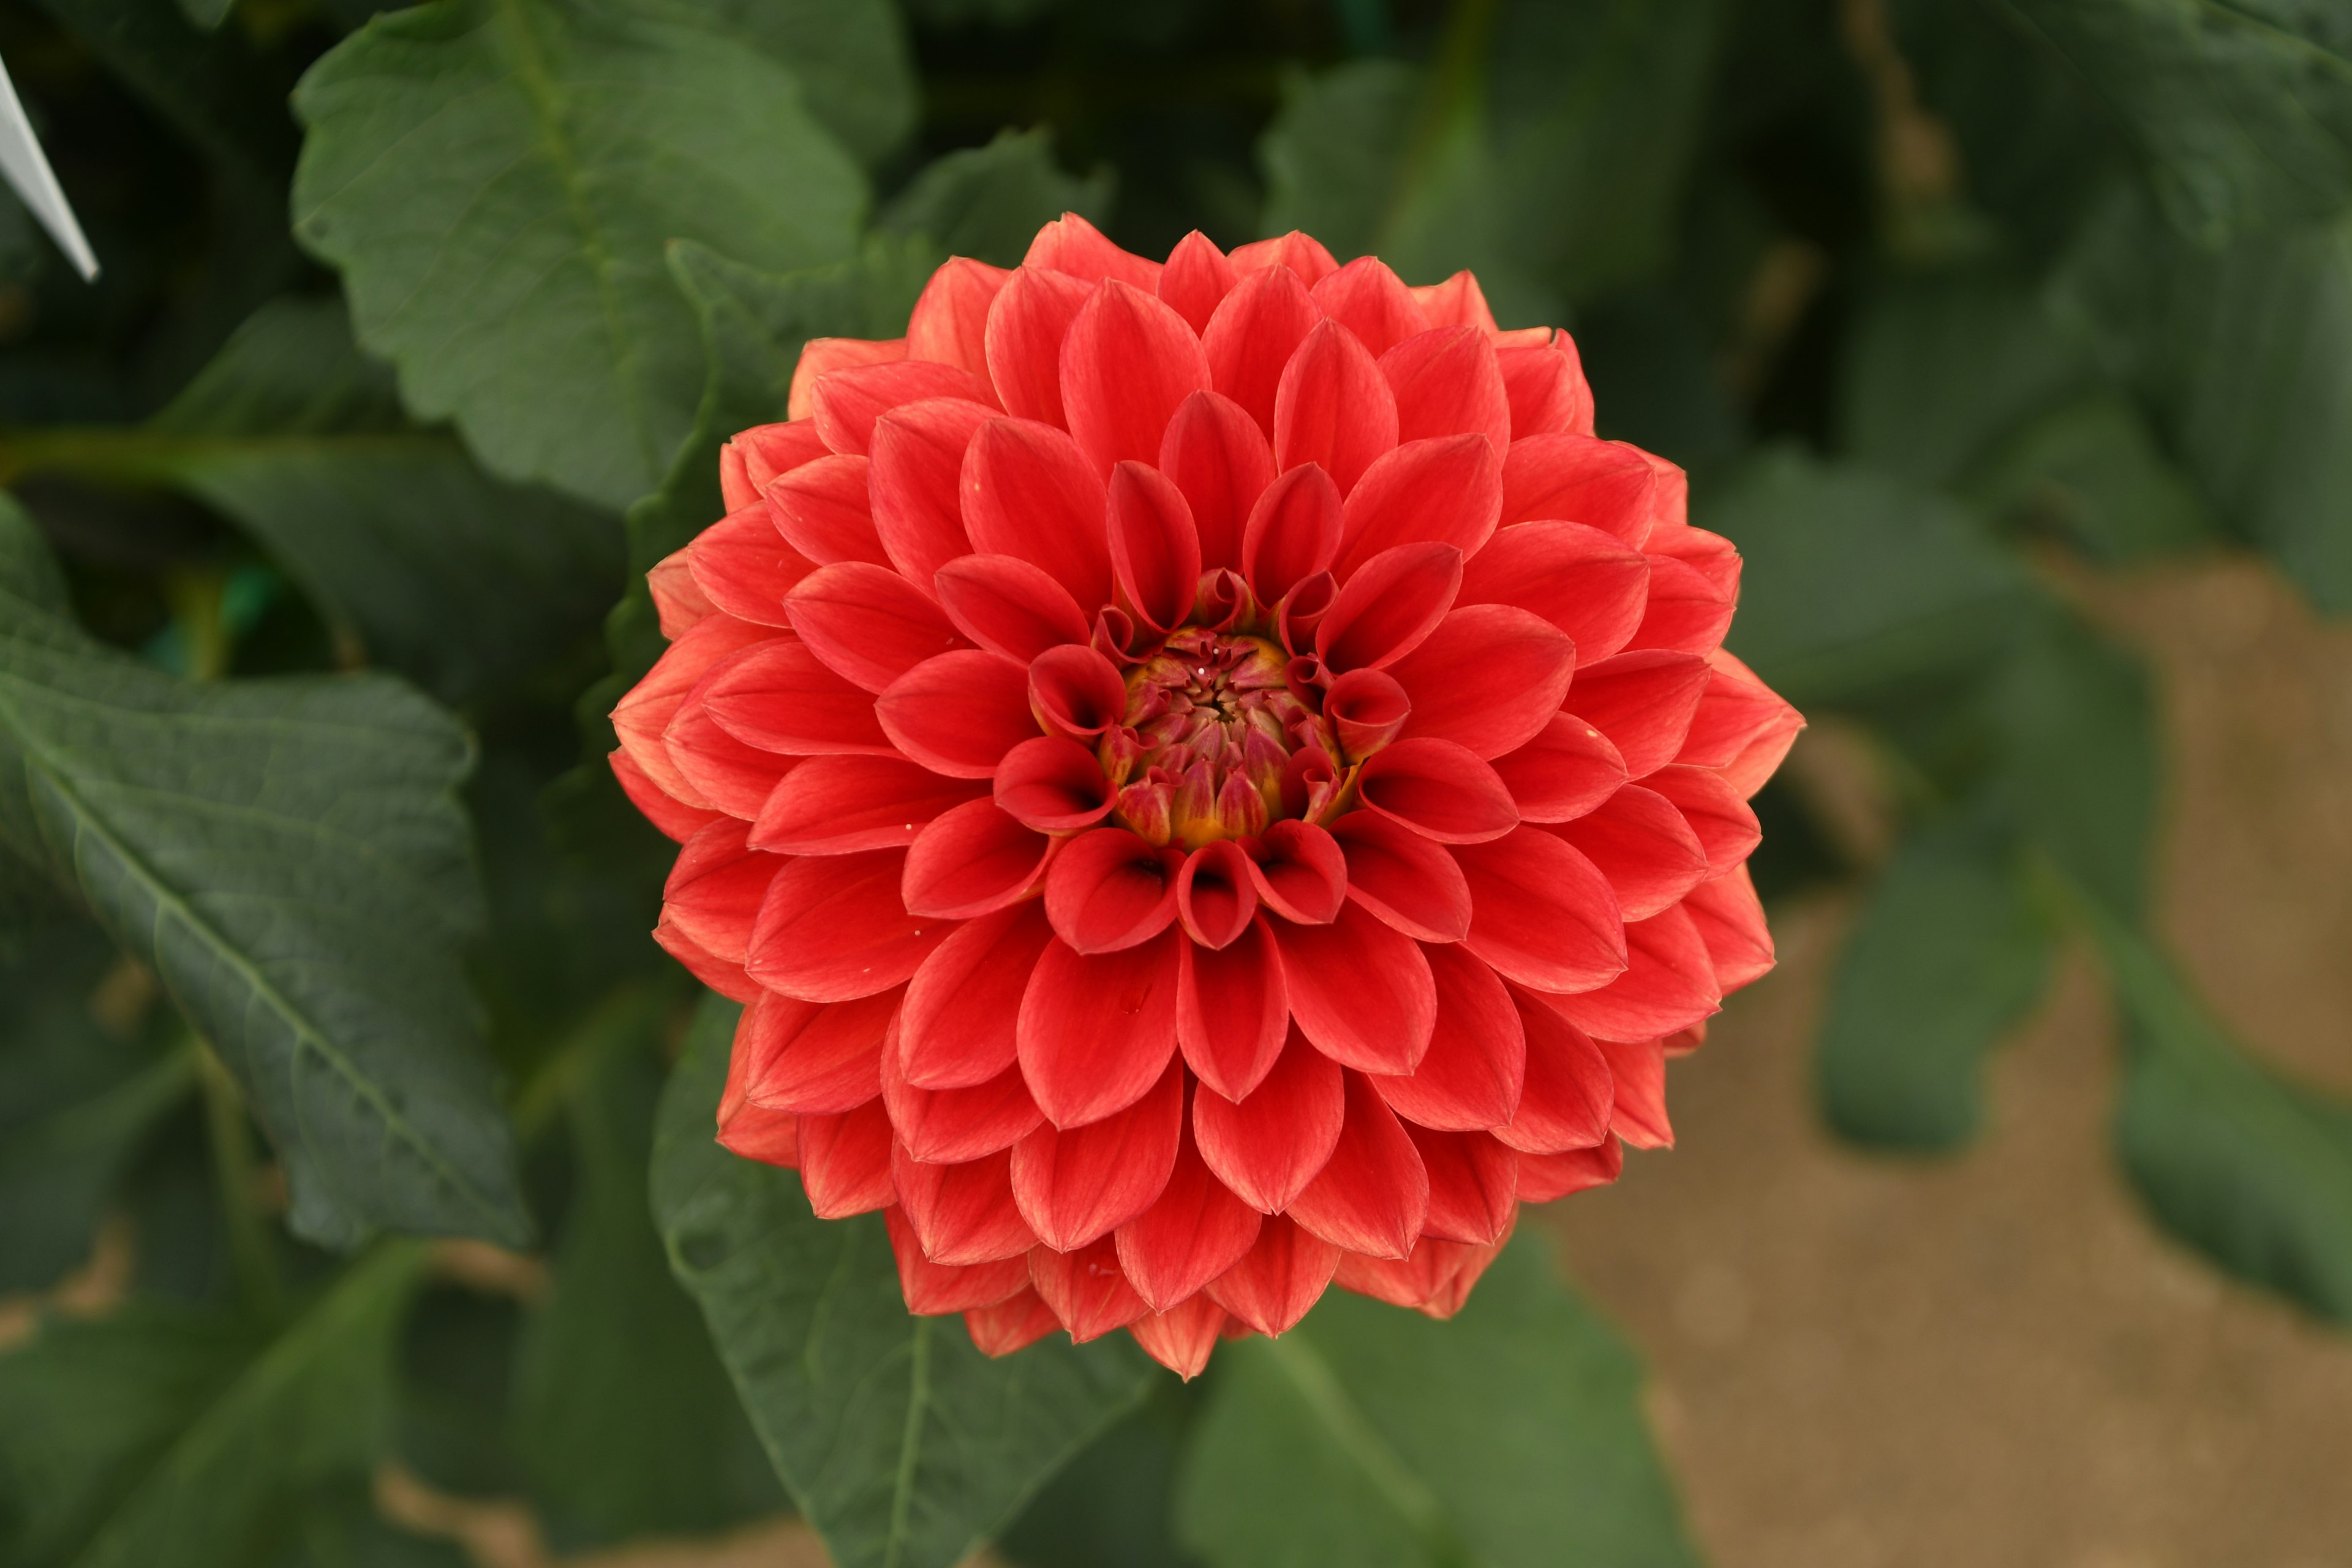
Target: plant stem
[[233, 1166]]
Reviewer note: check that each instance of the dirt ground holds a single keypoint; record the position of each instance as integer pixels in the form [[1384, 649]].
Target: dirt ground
[[1995, 1362]]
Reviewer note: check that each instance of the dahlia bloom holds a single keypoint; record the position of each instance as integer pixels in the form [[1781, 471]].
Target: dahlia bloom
[[1210, 782]]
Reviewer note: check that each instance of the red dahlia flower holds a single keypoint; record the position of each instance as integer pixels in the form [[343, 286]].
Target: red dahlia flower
[[1209, 779]]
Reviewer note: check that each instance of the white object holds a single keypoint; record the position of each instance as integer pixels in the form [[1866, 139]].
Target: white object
[[27, 168]]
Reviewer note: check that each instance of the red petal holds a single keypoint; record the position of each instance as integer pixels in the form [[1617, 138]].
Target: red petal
[[1606, 485], [1490, 678], [811, 1056], [1476, 1064], [1566, 1100], [1742, 726], [1726, 827], [868, 625], [1582, 580], [1668, 984], [1456, 302], [1301, 253], [1439, 790], [677, 820], [1292, 533], [972, 860], [1032, 315], [778, 696], [1284, 1273], [958, 1027], [916, 477], [845, 1162], [1108, 889], [1078, 1185], [1096, 1033], [1685, 610], [1548, 389], [1360, 991], [1180, 1338], [1640, 842], [1012, 1324], [832, 928], [730, 775], [1366, 710], [1214, 896], [1029, 492], [933, 1288], [1644, 702], [728, 979], [962, 1213], [1448, 488], [1155, 555], [1372, 1195], [1220, 460], [1300, 872], [1196, 280], [1543, 1177], [1332, 406], [1473, 1185], [1009, 605], [1075, 691], [1435, 1280], [1232, 1010], [1372, 302], [958, 714], [949, 323], [679, 604], [825, 511], [1403, 878], [833, 806], [1447, 382], [641, 716], [1052, 785], [1394, 600], [715, 886], [1541, 914], [1085, 1289], [1269, 1144], [751, 459], [820, 357], [947, 1125], [744, 568], [1195, 1231], [1072, 244], [1252, 336], [1731, 922], [847, 402], [1563, 773], [1639, 1117], [1128, 362]]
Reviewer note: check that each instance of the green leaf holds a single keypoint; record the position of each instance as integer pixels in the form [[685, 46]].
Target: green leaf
[[622, 1412], [149, 1440], [1113, 1503], [2081, 759], [1545, 148], [1857, 584], [465, 582], [497, 180], [1509, 1437], [2235, 1159], [1948, 952], [850, 56], [2090, 471], [2245, 353], [899, 1441], [2240, 110], [210, 86], [989, 202], [290, 858]]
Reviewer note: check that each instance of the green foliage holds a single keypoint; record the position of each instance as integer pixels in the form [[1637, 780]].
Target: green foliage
[[288, 856], [989, 202], [899, 1441], [1511, 1435], [497, 180]]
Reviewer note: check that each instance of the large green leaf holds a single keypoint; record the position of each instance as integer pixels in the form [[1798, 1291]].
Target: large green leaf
[[2091, 472], [849, 55], [2234, 1158], [990, 202], [461, 581], [903, 1444], [163, 1441], [2242, 110], [1509, 1437], [1949, 950], [1857, 584], [288, 856], [623, 1414], [1545, 148], [497, 179], [1113, 1503]]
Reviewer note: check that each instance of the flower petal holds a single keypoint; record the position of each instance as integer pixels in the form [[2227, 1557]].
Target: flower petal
[[832, 928], [915, 479], [1742, 726], [947, 1125], [677, 602], [1645, 702], [1254, 335], [1128, 362], [812, 1056], [1283, 1274], [847, 403], [1086, 1289], [1269, 1144], [835, 806], [962, 1213], [1232, 1010], [1301, 253], [1490, 678], [1730, 921], [1361, 990], [1568, 768], [958, 714], [1476, 1064], [1072, 244], [972, 860], [1640, 842], [958, 1027], [1606, 485], [1029, 492], [845, 1162], [1300, 872], [1193, 1232], [1015, 1323], [1076, 1186], [1723, 823], [1292, 533], [730, 775], [1008, 606], [780, 698], [1448, 488], [1108, 889], [1543, 1177], [932, 1288], [1668, 984], [1448, 382], [1566, 1100], [1332, 406], [1096, 1033], [1407, 880], [640, 718], [1196, 280], [744, 566], [1372, 302], [1685, 609], [1548, 389], [1586, 582], [1438, 789], [1219, 458], [726, 978], [949, 323], [1394, 600], [825, 509], [868, 625], [751, 459], [1075, 691], [1541, 914], [1372, 1195], [1214, 896], [1473, 1185], [677, 821], [1181, 1338], [1027, 323], [1638, 1115], [820, 357], [715, 888], [1456, 302], [1052, 785], [1155, 555]]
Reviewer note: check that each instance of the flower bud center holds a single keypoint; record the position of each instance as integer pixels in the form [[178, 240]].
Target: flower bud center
[[1210, 724]]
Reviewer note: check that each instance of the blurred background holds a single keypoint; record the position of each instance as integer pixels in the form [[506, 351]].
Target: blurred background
[[2010, 1220]]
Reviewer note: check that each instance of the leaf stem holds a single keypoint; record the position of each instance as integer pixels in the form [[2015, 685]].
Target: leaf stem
[[230, 1132]]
